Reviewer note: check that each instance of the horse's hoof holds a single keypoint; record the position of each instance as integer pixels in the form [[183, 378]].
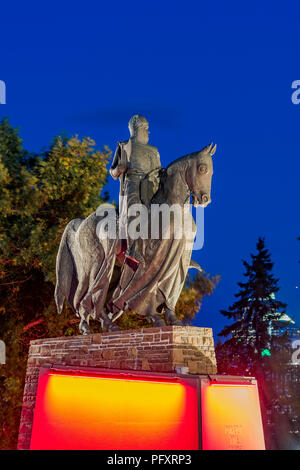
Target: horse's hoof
[[84, 328], [157, 321], [171, 318], [110, 326], [114, 327]]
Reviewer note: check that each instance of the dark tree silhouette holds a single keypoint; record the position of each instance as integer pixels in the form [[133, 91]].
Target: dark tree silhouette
[[250, 334], [253, 346]]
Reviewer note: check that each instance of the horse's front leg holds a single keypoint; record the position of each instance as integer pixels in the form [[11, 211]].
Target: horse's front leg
[[171, 318], [107, 324], [84, 328]]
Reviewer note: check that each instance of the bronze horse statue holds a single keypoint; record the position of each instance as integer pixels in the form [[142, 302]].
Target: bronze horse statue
[[98, 282]]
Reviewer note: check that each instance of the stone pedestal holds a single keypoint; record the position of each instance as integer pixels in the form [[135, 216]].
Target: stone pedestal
[[152, 349]]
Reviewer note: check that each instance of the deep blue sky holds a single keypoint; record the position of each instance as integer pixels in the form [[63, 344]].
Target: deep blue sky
[[199, 71]]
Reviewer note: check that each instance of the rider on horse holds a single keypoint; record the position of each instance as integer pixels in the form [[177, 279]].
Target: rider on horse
[[137, 165]]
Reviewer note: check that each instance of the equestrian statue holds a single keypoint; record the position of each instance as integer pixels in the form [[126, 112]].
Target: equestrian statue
[[140, 265]]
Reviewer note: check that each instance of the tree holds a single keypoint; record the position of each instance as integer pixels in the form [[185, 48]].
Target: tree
[[190, 300], [39, 195], [253, 313], [251, 347]]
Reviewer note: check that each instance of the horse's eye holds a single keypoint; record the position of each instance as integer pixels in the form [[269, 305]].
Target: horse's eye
[[202, 169]]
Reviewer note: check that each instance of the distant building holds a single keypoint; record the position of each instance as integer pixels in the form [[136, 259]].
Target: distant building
[[287, 386]]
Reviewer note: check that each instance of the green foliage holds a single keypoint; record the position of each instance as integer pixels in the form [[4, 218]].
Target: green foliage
[[39, 195], [132, 321], [190, 300]]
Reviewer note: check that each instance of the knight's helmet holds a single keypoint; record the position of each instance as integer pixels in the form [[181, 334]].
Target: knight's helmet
[[137, 121]]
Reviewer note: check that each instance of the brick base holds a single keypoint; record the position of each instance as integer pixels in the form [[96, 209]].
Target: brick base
[[151, 349]]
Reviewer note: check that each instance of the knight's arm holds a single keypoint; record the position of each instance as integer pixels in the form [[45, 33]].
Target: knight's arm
[[117, 167]]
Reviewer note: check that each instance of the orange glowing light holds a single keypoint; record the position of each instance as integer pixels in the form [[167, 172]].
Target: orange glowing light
[[231, 417], [93, 412]]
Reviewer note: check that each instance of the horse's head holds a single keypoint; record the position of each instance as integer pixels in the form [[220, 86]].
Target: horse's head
[[198, 175]]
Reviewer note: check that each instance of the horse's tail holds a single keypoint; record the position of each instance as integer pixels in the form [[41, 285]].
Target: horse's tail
[[66, 277]]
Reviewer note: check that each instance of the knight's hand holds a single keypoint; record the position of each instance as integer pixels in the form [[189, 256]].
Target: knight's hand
[[116, 172], [122, 167]]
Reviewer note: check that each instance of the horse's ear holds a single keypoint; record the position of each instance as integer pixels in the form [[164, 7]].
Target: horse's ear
[[212, 151], [208, 148]]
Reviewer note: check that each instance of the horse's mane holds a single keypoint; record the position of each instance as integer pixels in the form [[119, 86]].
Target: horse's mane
[[181, 162], [178, 165]]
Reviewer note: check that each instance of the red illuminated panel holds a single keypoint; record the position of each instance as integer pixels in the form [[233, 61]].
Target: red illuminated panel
[[80, 412], [231, 417]]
